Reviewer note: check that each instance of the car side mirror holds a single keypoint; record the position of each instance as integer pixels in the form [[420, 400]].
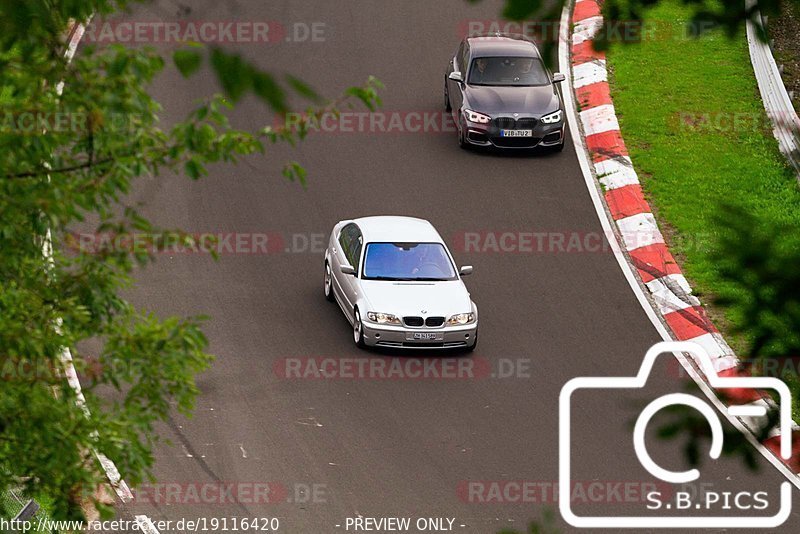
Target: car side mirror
[[465, 270], [347, 269], [456, 76], [558, 77]]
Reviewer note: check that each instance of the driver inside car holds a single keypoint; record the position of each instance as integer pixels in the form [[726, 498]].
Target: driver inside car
[[431, 262]]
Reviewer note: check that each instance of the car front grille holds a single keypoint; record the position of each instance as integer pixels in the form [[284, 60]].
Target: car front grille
[[510, 123], [434, 321], [505, 123], [413, 321]]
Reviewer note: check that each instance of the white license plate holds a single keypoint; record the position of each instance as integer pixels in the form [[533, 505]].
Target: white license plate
[[427, 336], [516, 133]]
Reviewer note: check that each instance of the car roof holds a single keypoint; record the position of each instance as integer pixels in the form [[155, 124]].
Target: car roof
[[397, 229], [502, 44]]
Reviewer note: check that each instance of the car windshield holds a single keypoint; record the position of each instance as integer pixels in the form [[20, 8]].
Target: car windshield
[[508, 71], [408, 261]]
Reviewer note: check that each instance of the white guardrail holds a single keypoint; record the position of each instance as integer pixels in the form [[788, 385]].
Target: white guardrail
[[785, 122]]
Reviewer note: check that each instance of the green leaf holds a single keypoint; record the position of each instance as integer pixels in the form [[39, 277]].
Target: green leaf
[[269, 91], [293, 170], [303, 89], [233, 73], [521, 9], [187, 61], [194, 169]]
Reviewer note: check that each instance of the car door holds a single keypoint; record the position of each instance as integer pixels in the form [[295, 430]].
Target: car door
[[455, 89], [339, 244], [343, 254], [351, 284]]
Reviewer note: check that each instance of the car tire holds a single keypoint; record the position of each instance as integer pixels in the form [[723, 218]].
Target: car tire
[[328, 288], [474, 345], [358, 330], [462, 141], [447, 106]]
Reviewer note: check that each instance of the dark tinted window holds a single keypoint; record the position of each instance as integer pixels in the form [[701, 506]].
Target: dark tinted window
[[508, 71], [460, 65], [345, 240], [464, 59], [407, 261], [350, 240], [357, 245]]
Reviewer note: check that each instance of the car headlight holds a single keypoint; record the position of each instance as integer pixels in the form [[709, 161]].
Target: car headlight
[[383, 318], [460, 319], [474, 116], [552, 118]]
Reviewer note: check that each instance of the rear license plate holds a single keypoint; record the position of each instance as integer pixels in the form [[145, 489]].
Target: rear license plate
[[425, 336], [516, 133]]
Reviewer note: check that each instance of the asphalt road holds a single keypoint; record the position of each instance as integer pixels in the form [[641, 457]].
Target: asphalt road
[[375, 447]]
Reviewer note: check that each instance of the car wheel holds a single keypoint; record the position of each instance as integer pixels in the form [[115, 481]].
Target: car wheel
[[328, 283], [358, 330], [447, 106], [462, 140], [474, 345]]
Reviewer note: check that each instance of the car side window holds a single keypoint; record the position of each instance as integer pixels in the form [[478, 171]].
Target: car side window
[[357, 245], [459, 66], [344, 240], [464, 59], [350, 239]]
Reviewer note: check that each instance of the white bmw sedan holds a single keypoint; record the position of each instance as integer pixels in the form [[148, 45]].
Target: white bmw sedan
[[397, 284]]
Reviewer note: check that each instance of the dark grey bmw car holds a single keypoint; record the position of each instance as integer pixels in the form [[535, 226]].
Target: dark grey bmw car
[[501, 94]]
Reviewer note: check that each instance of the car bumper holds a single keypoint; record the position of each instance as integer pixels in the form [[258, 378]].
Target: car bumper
[[487, 135], [403, 337]]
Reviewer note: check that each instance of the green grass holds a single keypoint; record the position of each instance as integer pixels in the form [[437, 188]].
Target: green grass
[[11, 504], [662, 89]]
